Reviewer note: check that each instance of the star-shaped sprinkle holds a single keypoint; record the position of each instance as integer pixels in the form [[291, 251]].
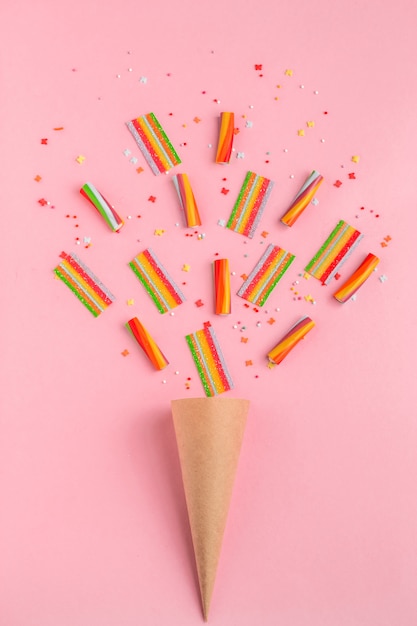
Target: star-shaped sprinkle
[[352, 176], [221, 222], [42, 201], [125, 352], [38, 178], [258, 66], [355, 159], [199, 303], [151, 199], [240, 155], [248, 124], [338, 183], [139, 170], [248, 363], [244, 340], [264, 234], [288, 72], [44, 141], [133, 160], [310, 124], [314, 202], [301, 132], [80, 159], [186, 268], [130, 302], [197, 120], [383, 278], [271, 321], [159, 232], [143, 80], [127, 152], [225, 191]]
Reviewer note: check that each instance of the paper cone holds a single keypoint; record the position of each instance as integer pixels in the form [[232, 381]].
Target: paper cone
[[209, 435]]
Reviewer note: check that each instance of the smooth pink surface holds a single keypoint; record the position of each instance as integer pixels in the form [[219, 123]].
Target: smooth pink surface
[[323, 525]]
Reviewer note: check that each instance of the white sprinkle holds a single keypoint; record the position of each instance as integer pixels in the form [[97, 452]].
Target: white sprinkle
[[285, 149], [301, 86], [322, 140], [316, 93], [291, 175], [130, 69]]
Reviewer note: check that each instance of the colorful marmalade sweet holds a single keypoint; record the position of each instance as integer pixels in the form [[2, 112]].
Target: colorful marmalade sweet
[[250, 204], [226, 134], [84, 284], [266, 274], [153, 143], [209, 361], [221, 274], [330, 257], [187, 200], [147, 343], [303, 198], [356, 280], [290, 340], [113, 220], [164, 292]]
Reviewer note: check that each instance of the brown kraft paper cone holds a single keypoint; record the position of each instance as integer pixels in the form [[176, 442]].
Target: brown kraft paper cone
[[209, 434]]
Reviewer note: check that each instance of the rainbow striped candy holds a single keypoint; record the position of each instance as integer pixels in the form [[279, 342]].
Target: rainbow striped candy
[[356, 280], [250, 204], [334, 252], [303, 198], [154, 143], [187, 200], [266, 274], [156, 280], [290, 340], [209, 361], [113, 220], [221, 274], [225, 144], [147, 343], [84, 284]]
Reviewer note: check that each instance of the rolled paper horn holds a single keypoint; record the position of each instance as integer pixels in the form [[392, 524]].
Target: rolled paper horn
[[356, 280], [209, 433], [225, 144], [303, 198], [222, 286], [113, 220], [187, 200]]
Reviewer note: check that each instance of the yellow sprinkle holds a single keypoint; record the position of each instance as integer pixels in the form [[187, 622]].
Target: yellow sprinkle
[[80, 159], [159, 232], [301, 133], [130, 302], [355, 159], [288, 72], [310, 124], [306, 275], [271, 365], [186, 268]]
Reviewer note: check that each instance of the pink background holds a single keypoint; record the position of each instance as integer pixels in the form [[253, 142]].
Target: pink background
[[323, 524]]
